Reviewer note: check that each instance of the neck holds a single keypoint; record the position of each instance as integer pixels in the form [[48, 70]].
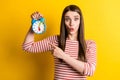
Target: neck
[[72, 37]]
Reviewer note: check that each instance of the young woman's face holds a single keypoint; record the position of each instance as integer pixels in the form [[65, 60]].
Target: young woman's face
[[72, 21]]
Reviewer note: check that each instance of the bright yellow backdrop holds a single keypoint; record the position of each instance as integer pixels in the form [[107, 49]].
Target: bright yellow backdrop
[[102, 24]]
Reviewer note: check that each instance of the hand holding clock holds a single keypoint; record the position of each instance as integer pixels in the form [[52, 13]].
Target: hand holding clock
[[38, 23], [36, 15]]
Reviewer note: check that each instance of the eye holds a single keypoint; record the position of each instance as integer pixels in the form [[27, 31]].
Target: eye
[[76, 19], [67, 19]]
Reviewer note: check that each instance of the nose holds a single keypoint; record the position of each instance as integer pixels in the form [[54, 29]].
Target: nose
[[71, 22]]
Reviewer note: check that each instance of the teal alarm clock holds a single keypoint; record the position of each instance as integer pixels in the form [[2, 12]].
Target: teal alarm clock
[[38, 26]]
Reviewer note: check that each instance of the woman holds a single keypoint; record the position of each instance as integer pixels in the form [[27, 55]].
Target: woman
[[75, 57]]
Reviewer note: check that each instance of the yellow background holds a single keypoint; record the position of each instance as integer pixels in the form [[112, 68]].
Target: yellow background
[[102, 24]]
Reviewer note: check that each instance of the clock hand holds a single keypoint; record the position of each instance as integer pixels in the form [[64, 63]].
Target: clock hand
[[39, 26]]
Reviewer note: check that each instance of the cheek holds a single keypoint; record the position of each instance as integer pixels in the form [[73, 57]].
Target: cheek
[[66, 24], [77, 24]]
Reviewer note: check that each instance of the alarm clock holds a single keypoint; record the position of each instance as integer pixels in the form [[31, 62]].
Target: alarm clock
[[38, 26]]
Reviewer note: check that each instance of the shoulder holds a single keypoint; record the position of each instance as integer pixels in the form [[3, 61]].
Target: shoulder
[[90, 43], [91, 47]]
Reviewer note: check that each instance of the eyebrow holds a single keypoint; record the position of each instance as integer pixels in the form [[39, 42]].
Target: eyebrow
[[66, 16], [74, 16]]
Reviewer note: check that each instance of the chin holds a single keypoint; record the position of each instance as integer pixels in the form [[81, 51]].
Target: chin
[[72, 33]]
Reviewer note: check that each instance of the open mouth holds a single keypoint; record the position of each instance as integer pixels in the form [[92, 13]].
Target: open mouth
[[71, 29]]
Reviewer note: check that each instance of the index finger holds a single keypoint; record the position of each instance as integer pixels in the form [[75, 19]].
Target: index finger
[[52, 45]]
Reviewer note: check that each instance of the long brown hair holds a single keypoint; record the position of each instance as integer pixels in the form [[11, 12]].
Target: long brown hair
[[64, 34]]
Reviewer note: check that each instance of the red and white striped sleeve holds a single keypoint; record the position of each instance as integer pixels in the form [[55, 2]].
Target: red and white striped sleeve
[[40, 46], [90, 65]]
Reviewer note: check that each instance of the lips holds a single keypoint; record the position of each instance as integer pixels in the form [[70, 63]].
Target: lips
[[71, 29]]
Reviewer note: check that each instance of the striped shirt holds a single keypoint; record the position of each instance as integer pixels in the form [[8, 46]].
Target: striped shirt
[[64, 71]]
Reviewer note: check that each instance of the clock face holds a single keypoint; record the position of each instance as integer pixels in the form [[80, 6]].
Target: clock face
[[38, 27]]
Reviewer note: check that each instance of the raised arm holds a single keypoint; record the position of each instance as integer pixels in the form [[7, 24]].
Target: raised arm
[[39, 46], [30, 35]]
